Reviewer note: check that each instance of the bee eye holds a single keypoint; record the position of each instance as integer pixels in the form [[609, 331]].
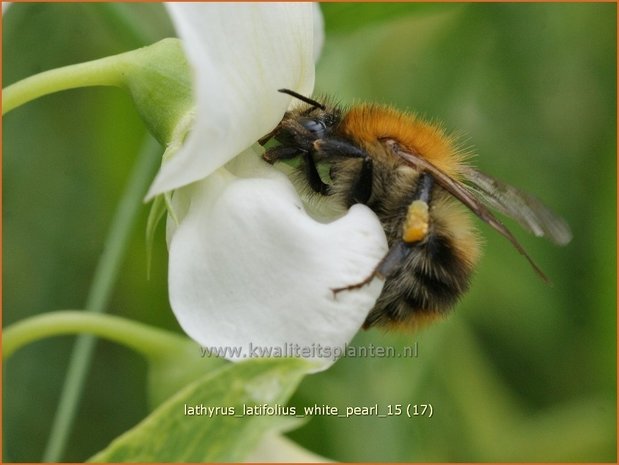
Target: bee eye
[[315, 126]]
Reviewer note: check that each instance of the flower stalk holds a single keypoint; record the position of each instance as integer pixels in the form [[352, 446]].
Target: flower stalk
[[152, 343], [103, 72], [157, 77]]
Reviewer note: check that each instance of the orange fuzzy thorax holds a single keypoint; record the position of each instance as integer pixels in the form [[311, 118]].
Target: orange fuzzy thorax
[[366, 124]]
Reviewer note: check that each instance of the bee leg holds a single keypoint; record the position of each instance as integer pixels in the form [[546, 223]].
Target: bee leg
[[267, 137], [338, 148], [311, 173], [280, 153], [414, 231], [330, 148], [390, 262], [309, 165], [417, 223], [362, 188]]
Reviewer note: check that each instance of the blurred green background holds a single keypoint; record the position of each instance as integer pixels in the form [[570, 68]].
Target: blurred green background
[[522, 371]]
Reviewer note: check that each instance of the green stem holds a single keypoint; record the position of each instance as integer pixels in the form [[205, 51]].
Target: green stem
[[103, 72], [103, 281], [152, 343]]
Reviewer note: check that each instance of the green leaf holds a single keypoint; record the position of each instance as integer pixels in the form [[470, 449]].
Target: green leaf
[[169, 435]]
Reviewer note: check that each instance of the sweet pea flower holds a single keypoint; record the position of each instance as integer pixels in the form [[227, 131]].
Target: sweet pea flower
[[250, 271]]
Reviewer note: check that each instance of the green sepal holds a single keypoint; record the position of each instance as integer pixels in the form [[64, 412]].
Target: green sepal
[[158, 78]]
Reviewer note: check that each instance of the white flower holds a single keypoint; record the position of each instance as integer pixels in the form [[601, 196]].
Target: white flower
[[249, 268]]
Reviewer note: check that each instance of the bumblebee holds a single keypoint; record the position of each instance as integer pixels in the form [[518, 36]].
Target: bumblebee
[[417, 181]]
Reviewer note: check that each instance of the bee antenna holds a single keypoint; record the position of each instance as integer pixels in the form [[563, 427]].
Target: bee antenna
[[307, 100]]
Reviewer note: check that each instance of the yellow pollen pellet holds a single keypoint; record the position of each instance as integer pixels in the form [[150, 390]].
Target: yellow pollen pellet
[[417, 222]]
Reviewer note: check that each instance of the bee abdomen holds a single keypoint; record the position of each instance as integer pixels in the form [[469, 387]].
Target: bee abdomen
[[428, 284]]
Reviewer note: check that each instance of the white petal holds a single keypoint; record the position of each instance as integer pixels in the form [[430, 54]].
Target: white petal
[[248, 267], [241, 53]]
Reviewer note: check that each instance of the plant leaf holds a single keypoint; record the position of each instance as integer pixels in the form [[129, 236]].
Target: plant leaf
[[169, 435]]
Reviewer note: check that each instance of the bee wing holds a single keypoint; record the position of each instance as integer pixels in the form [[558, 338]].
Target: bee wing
[[464, 195], [527, 210]]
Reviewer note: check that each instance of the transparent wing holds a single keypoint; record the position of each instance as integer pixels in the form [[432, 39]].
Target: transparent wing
[[533, 213], [527, 210]]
